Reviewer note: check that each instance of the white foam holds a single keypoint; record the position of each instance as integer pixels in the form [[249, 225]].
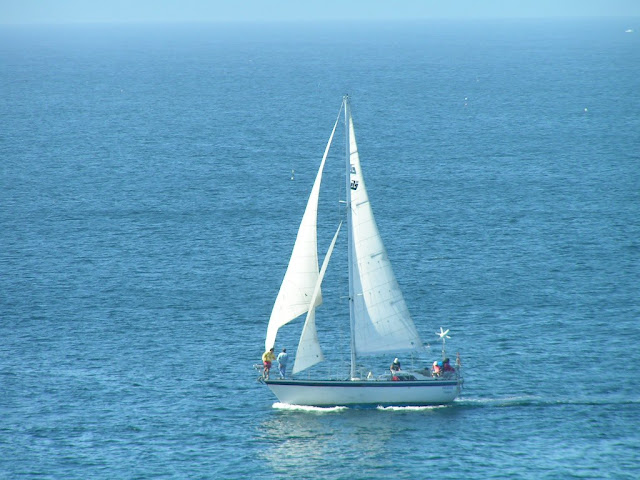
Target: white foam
[[413, 409], [307, 408]]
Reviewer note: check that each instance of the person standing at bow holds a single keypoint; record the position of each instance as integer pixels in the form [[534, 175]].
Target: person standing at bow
[[283, 357], [267, 358]]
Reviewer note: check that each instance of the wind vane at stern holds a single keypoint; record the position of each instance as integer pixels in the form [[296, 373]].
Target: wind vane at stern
[[443, 336]]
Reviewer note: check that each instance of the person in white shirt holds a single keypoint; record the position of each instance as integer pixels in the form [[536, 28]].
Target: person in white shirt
[[282, 362]]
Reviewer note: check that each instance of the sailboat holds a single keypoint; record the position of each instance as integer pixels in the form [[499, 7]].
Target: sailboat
[[379, 319]]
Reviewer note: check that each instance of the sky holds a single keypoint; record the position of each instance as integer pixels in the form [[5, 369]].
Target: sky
[[162, 11]]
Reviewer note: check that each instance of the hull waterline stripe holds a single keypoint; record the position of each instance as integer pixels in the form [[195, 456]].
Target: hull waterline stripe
[[351, 384]]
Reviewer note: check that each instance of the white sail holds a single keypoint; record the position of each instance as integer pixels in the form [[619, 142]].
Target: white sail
[[382, 322], [309, 352], [301, 277]]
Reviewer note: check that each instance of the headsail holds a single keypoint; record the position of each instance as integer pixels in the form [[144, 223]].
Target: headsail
[[382, 322], [309, 352], [300, 279]]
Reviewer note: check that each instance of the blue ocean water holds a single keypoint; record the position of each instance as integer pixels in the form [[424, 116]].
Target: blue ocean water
[[147, 213]]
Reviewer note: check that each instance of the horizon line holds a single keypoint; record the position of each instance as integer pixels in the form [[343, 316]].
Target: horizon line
[[236, 21]]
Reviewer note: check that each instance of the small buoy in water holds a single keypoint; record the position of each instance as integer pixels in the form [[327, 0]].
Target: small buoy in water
[[585, 109], [292, 172]]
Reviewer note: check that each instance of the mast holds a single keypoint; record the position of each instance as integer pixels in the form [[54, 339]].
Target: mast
[[350, 254]]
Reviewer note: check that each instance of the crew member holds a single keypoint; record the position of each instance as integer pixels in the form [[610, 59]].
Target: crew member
[[267, 358]]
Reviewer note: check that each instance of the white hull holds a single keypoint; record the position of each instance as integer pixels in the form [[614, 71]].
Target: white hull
[[324, 393]]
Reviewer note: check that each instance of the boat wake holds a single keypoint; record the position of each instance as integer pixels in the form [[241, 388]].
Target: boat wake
[[306, 408], [413, 409], [535, 401]]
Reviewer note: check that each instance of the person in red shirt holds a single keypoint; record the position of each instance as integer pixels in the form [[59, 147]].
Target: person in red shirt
[[446, 366]]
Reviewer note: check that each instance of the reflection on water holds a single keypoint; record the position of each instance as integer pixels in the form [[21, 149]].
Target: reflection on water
[[306, 441]]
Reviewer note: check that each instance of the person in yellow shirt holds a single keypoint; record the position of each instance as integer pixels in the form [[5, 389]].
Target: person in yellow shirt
[[267, 358]]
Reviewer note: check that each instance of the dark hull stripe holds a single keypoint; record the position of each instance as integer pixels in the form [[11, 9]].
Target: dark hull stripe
[[356, 384]]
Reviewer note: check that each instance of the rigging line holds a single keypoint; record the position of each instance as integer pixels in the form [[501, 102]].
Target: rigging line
[[330, 142]]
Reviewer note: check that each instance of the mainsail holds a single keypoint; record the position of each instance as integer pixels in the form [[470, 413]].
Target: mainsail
[[301, 277], [382, 323]]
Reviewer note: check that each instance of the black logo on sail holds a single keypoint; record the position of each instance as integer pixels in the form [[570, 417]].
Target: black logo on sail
[[354, 184]]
